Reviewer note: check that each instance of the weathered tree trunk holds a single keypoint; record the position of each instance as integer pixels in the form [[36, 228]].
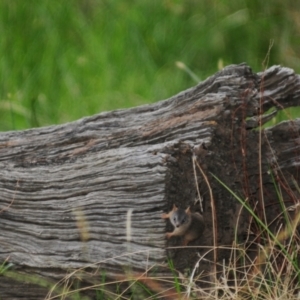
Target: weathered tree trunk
[[90, 193]]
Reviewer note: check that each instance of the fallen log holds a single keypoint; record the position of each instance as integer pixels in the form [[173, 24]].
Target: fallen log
[[90, 193]]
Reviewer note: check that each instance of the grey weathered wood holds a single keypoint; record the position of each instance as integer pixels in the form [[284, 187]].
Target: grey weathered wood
[[59, 183]]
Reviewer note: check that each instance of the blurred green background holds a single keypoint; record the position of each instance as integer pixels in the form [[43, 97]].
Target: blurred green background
[[62, 60]]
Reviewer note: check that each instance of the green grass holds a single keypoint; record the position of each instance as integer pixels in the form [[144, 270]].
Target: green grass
[[62, 60]]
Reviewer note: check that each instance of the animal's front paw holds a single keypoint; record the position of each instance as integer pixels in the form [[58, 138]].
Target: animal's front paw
[[168, 235], [164, 216]]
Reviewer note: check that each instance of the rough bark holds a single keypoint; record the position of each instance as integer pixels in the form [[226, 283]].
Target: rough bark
[[69, 193]]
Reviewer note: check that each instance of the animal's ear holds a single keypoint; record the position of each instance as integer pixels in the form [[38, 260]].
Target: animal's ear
[[174, 207], [188, 211]]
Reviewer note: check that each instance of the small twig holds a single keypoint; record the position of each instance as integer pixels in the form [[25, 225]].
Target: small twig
[[196, 182]]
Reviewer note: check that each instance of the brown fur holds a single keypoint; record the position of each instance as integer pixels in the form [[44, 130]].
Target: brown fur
[[187, 224]]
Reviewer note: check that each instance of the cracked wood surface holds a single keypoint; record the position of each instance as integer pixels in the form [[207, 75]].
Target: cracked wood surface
[[66, 191]]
